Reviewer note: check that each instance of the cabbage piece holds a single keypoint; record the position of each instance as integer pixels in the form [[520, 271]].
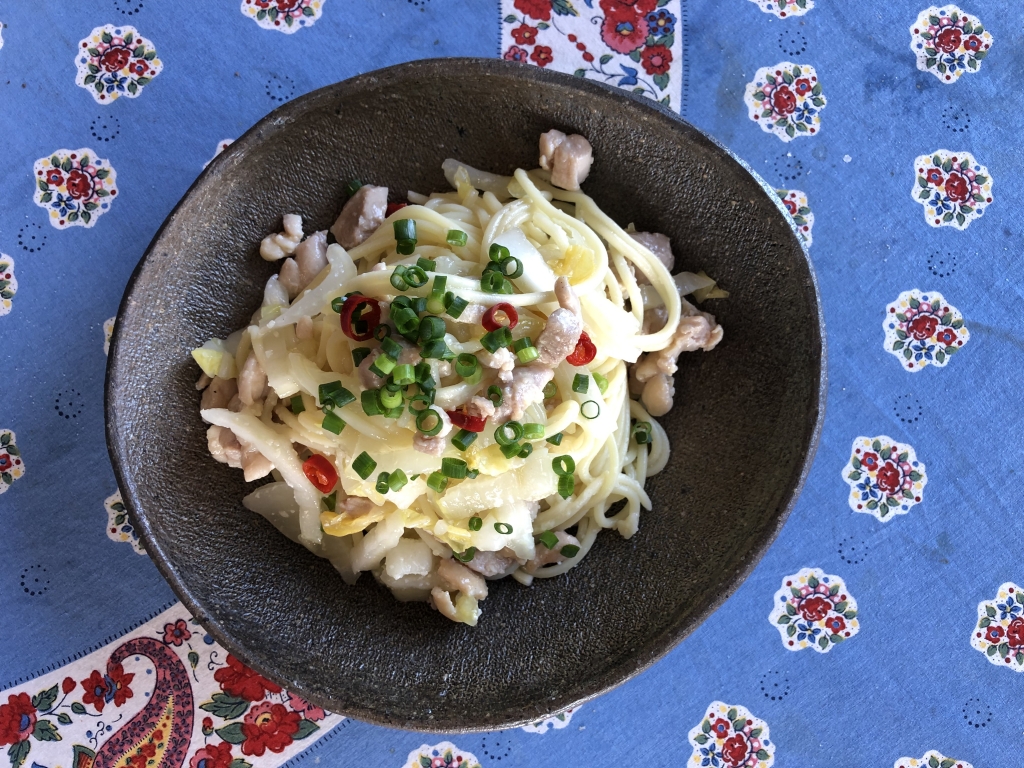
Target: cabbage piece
[[338, 550], [272, 348], [209, 356], [276, 503], [537, 275], [408, 589], [611, 328], [384, 537], [342, 269], [278, 450], [340, 525], [467, 610], [482, 180], [515, 514], [410, 556], [533, 481]]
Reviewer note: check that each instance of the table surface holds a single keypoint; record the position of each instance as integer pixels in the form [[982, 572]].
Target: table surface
[[882, 628]]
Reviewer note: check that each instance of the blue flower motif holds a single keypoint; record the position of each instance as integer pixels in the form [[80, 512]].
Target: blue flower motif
[[922, 350], [805, 113], [630, 76], [807, 631], [1008, 610], [64, 204], [941, 203], [954, 62], [709, 756], [661, 22], [115, 82]]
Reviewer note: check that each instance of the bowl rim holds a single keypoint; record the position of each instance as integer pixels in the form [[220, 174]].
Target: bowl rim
[[671, 637]]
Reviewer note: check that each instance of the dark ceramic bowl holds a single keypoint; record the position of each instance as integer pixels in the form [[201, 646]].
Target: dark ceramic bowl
[[717, 506]]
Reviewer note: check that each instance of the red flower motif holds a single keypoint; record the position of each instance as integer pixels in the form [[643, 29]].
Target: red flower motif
[[288, 5], [268, 726], [54, 177], [784, 100], [973, 43], [79, 184], [541, 55], [803, 86], [515, 53], [721, 728], [889, 478], [735, 750], [934, 177], [656, 59], [212, 756], [791, 206], [17, 719], [535, 9], [946, 336], [994, 634], [238, 680], [923, 326], [68, 685], [1015, 633], [836, 624], [870, 461], [5, 462], [96, 690], [524, 34], [639, 6], [138, 67], [814, 607], [207, 726], [176, 633], [304, 708], [958, 188], [624, 30], [948, 40], [116, 58]]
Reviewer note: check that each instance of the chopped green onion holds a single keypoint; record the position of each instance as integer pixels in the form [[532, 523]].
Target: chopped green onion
[[431, 328], [593, 412], [506, 287], [383, 483], [550, 390], [509, 432], [370, 399], [389, 400], [422, 372], [475, 523], [566, 486], [333, 395], [406, 320], [492, 282], [474, 378], [494, 340], [527, 355], [454, 468], [338, 303], [521, 344], [580, 383], [570, 550], [389, 384], [498, 253], [466, 365], [435, 302], [421, 398], [418, 305], [425, 264], [548, 539], [454, 305], [532, 431], [405, 247], [390, 347], [456, 237], [405, 229], [296, 405], [403, 375], [359, 354], [463, 439], [400, 301], [526, 450], [466, 556], [511, 450], [435, 349], [602, 382], [471, 475], [556, 439], [516, 268], [352, 187], [383, 365], [333, 422], [494, 394], [503, 528], [563, 465], [415, 277], [397, 480], [437, 482], [364, 465], [394, 413], [642, 432], [423, 417], [398, 281], [329, 502], [381, 332]]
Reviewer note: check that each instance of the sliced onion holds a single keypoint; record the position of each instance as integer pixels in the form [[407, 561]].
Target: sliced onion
[[488, 182]]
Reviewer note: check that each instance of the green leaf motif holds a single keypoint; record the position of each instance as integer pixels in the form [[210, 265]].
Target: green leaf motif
[[580, 73], [511, 18], [543, 25], [762, 754], [64, 718], [960, 219], [563, 8], [897, 345], [823, 642], [635, 55], [791, 630], [947, 763], [706, 726], [45, 731], [44, 699], [78, 708], [790, 609], [784, 620], [738, 725], [306, 727], [816, 90], [990, 611], [984, 623], [240, 763], [66, 165], [1004, 649], [797, 72], [307, 11], [812, 581], [425, 761], [86, 217], [787, 78], [732, 713], [225, 706], [18, 752], [790, 130], [855, 475], [232, 733], [661, 81], [991, 650], [606, 58], [106, 38], [133, 88], [150, 55], [933, 762], [700, 738], [193, 659], [841, 606]]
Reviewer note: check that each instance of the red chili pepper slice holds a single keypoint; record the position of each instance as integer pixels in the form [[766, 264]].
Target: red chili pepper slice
[[320, 472], [392, 207], [467, 422], [585, 351], [370, 316], [490, 321]]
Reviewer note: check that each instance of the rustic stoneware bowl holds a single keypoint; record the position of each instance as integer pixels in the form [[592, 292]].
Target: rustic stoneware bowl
[[717, 506]]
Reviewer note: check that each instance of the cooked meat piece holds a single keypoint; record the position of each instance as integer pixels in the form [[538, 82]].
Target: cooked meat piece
[[254, 464], [660, 246], [443, 602], [525, 389], [457, 577], [567, 157], [354, 506], [362, 214], [559, 338], [547, 556], [368, 378], [219, 393], [658, 392], [290, 278], [224, 446], [494, 564], [654, 320], [567, 298], [410, 354], [311, 257], [203, 382], [502, 359], [252, 381], [433, 445], [283, 244], [696, 330], [275, 292], [481, 407]]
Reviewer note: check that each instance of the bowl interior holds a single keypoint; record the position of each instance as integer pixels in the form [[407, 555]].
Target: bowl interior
[[742, 430]]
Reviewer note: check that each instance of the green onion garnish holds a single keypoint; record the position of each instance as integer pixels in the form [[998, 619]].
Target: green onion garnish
[[525, 450], [466, 556], [455, 305], [425, 264], [509, 432], [397, 480], [521, 344], [382, 483], [580, 383], [422, 373], [382, 366], [456, 237], [466, 365], [492, 282], [406, 320], [394, 413], [548, 539], [475, 523], [454, 468], [602, 382], [494, 340], [333, 395], [512, 268], [435, 349], [400, 301], [527, 354], [337, 304], [418, 305], [332, 422], [359, 354], [389, 400], [642, 432], [423, 418], [503, 528], [390, 347], [563, 465], [415, 277], [511, 450], [498, 253], [405, 229], [435, 302], [556, 439], [494, 394], [550, 390], [405, 247], [463, 439], [381, 332], [566, 486], [370, 399], [427, 401], [471, 475], [296, 404], [437, 482], [532, 431], [352, 187], [398, 281], [403, 375], [570, 550], [329, 502], [364, 465], [431, 328], [591, 413]]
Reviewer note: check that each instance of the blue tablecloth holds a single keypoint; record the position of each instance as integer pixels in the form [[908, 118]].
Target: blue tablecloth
[[883, 627]]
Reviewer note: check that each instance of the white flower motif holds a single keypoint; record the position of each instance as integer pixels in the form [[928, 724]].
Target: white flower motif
[[443, 755], [948, 42], [786, 100], [922, 329], [931, 759], [119, 528], [8, 283], [287, 16], [999, 633], [814, 609], [557, 722], [885, 477], [785, 8], [730, 735], [115, 61]]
